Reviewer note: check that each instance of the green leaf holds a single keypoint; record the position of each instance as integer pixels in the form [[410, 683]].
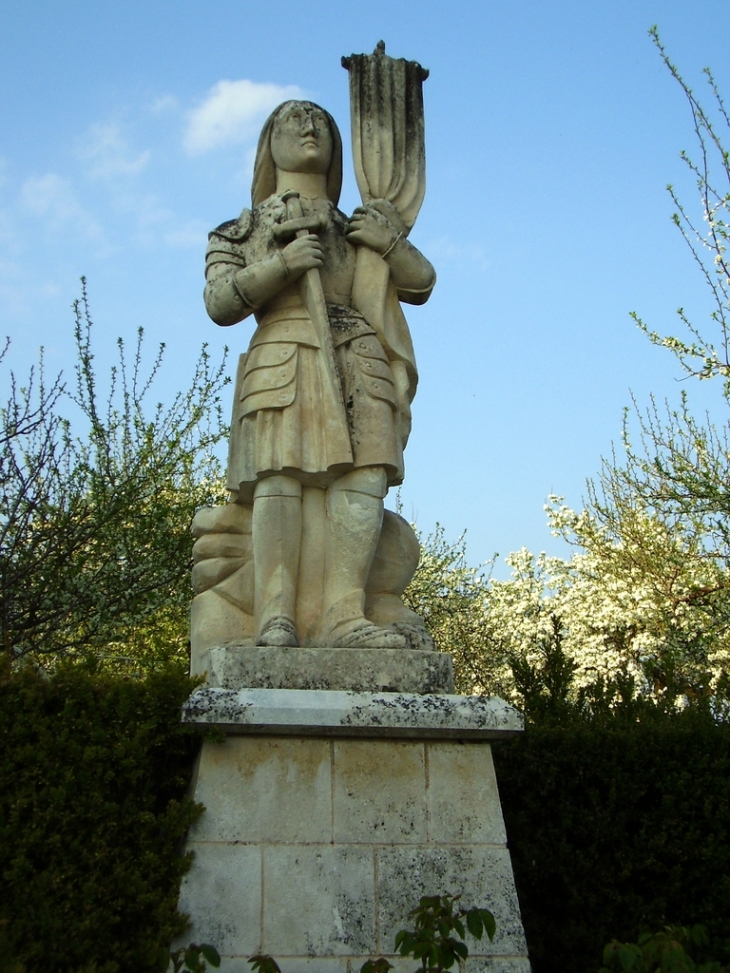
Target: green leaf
[[461, 950], [379, 965], [474, 923], [490, 923], [629, 957], [162, 958], [211, 954], [192, 958], [264, 963], [420, 950]]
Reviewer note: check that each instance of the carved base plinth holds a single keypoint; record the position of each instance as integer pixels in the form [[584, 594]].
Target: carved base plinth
[[362, 670], [328, 814]]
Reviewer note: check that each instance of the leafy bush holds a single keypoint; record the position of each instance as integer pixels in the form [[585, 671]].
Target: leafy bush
[[616, 825], [436, 924], [93, 774], [98, 488], [674, 949]]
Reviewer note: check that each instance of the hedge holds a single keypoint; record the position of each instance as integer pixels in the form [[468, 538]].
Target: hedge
[[615, 830], [613, 827], [93, 775]]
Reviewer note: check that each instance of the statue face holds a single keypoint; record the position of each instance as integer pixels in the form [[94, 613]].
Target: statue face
[[301, 140]]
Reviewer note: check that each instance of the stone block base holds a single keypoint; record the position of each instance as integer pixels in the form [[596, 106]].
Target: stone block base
[[361, 670], [314, 849], [301, 712]]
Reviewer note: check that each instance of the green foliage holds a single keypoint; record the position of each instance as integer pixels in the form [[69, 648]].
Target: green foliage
[[193, 958], [379, 965], [643, 605], [93, 775], [659, 513], [264, 964], [436, 925], [544, 689], [704, 357], [667, 951], [547, 691], [94, 520], [618, 819], [629, 619], [450, 597]]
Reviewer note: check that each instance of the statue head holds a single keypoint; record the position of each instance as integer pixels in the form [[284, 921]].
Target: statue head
[[288, 126]]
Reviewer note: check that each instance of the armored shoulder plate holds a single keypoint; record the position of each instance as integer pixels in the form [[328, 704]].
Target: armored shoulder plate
[[235, 230]]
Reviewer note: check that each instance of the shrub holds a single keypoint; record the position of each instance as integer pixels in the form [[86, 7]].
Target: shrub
[[93, 774], [616, 828]]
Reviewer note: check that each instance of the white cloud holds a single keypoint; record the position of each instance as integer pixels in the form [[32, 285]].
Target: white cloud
[[109, 155], [448, 250], [233, 112], [162, 104], [194, 233], [9, 236], [53, 199]]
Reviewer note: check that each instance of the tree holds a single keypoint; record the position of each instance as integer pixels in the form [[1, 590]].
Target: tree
[[645, 598], [658, 517], [94, 521], [451, 598]]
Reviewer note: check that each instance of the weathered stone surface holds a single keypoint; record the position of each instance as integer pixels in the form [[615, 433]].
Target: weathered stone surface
[[476, 964], [360, 670], [481, 873], [222, 893], [212, 619], [223, 579], [267, 789], [318, 900], [492, 964], [340, 794], [228, 519], [463, 801], [351, 964], [370, 806], [322, 713], [322, 399], [338, 838]]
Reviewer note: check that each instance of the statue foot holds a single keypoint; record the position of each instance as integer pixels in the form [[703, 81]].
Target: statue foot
[[279, 631], [365, 635]]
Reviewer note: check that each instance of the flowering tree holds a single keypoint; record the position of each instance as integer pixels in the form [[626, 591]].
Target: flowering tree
[[657, 523], [646, 595], [94, 519]]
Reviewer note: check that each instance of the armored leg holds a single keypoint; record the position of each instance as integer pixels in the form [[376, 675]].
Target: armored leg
[[277, 533], [354, 519]]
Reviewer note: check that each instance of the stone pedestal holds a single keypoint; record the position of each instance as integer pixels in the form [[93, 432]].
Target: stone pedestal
[[329, 813], [368, 670]]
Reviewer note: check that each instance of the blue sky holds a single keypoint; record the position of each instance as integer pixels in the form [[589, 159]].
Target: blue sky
[[552, 129]]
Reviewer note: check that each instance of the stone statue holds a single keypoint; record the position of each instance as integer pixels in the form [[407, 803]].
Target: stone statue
[[321, 404]]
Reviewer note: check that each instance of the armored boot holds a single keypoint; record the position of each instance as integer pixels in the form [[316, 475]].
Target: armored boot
[[277, 534], [354, 519]]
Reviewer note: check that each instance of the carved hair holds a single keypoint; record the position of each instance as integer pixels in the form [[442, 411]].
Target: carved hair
[[264, 170]]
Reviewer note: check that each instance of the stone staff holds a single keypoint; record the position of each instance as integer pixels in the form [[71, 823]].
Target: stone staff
[[313, 299]]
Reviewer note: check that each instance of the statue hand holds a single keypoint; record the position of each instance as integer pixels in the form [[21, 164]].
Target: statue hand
[[303, 254], [369, 227]]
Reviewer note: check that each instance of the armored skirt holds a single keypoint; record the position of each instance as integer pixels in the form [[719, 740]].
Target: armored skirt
[[290, 418]]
